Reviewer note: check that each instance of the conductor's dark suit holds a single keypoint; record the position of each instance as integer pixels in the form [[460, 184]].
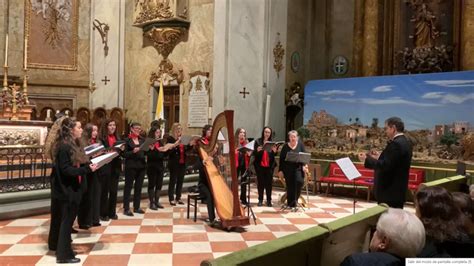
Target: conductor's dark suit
[[391, 172]]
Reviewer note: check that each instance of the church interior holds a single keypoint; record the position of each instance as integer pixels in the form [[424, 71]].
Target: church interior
[[187, 66]]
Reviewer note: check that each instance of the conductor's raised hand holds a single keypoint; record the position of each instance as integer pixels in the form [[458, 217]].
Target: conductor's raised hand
[[362, 156], [93, 167], [374, 154]]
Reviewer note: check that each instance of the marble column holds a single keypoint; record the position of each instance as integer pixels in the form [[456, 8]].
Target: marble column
[[109, 94], [359, 8], [371, 38], [467, 36]]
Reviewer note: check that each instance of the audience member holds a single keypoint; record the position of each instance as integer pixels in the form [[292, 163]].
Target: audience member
[[399, 235]]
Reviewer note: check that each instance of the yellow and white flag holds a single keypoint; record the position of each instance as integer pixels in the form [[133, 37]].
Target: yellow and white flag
[[159, 113]]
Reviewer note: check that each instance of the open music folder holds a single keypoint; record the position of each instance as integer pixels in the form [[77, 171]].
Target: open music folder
[[146, 145], [348, 168], [93, 149], [104, 159], [269, 145]]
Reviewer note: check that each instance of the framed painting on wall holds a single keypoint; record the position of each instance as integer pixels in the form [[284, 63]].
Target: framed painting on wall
[[51, 34]]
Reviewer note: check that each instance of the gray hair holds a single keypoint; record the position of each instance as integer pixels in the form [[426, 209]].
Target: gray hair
[[404, 230], [293, 132]]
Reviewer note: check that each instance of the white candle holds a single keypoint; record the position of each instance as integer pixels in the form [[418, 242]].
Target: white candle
[[267, 111], [48, 113], [6, 50], [26, 52]]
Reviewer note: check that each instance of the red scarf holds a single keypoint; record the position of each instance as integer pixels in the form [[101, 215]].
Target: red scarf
[[181, 153], [93, 140], [79, 178], [133, 136], [247, 160], [111, 139], [157, 145], [265, 160]]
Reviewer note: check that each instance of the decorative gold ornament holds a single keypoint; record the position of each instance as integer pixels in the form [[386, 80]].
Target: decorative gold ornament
[[167, 72], [166, 39], [151, 11], [278, 52]]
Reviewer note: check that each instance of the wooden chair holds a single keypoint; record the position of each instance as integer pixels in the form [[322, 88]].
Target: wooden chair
[[315, 171]]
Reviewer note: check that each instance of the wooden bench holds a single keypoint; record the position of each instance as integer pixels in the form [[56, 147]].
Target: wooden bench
[[336, 176]]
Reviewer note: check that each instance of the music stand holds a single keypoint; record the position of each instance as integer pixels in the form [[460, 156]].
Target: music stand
[[302, 158], [247, 206], [350, 171]]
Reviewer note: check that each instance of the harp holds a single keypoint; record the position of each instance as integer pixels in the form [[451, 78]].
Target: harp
[[222, 178]]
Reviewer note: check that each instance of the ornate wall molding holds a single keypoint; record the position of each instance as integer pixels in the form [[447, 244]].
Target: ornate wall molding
[[166, 39], [278, 53]]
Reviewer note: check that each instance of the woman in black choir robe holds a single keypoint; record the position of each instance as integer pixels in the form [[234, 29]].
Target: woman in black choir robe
[[264, 164], [155, 168], [89, 209], [67, 154], [204, 189], [176, 164], [135, 167], [293, 172], [242, 160], [109, 174]]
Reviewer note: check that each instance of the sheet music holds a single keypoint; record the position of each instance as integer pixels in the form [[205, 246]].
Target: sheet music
[[186, 139], [269, 145], [146, 145], [348, 168], [249, 146], [104, 159], [93, 149]]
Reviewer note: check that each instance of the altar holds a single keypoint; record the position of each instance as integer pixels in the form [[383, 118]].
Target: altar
[[23, 132]]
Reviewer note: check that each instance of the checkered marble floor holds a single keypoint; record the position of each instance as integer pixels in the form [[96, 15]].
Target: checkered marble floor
[[165, 237]]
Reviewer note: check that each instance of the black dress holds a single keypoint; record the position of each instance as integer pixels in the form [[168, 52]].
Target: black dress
[[135, 167], [264, 173], [66, 192], [242, 162], [177, 168], [155, 171], [293, 172], [109, 175], [89, 209]]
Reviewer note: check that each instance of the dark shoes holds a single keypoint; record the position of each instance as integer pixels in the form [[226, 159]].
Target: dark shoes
[[115, 217], [127, 213], [140, 211], [260, 204], [104, 218], [85, 227], [180, 202], [153, 206], [72, 260], [269, 204], [172, 203], [96, 224], [159, 206]]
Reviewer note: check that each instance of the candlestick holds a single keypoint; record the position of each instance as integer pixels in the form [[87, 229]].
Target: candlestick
[[25, 87], [6, 50], [26, 54]]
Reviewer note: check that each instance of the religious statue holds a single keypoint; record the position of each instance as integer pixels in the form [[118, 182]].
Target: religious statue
[[293, 96], [425, 28]]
